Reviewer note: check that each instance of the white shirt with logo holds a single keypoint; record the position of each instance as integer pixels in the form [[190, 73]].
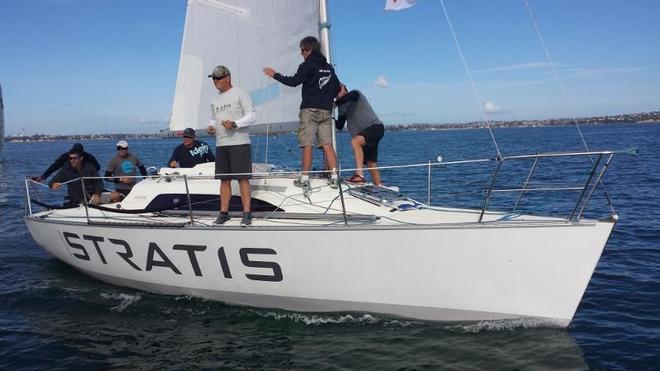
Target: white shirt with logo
[[233, 105]]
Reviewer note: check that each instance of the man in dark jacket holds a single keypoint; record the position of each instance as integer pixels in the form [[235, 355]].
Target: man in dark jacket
[[63, 160], [366, 131], [75, 169], [319, 88], [191, 152]]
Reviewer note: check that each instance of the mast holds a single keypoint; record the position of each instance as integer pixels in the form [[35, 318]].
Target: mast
[[324, 29], [2, 120]]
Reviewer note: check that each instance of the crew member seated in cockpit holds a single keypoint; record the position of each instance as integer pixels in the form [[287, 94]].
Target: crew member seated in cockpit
[[191, 152], [75, 169]]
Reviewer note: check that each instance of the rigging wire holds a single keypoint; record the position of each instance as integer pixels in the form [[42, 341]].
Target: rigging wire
[[469, 75], [555, 72], [553, 66], [267, 81]]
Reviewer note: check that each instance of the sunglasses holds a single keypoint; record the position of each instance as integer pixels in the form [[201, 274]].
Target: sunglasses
[[121, 149], [303, 50], [187, 136], [219, 78], [74, 158]]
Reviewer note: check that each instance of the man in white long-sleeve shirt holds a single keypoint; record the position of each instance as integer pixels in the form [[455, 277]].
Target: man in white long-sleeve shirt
[[232, 112]]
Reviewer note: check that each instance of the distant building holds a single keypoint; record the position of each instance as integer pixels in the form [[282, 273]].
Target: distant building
[[167, 133]]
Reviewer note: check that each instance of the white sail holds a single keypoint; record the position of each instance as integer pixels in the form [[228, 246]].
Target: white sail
[[245, 36]]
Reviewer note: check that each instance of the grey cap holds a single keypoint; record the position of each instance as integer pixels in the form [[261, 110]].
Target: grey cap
[[220, 71]]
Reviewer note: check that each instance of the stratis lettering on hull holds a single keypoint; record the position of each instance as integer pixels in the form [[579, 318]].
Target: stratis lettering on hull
[[157, 257]]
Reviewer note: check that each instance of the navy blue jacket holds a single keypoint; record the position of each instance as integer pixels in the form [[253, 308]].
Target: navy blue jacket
[[320, 84], [64, 159]]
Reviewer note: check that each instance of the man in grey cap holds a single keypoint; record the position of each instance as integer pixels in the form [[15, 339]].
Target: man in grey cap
[[232, 114], [123, 169], [191, 152]]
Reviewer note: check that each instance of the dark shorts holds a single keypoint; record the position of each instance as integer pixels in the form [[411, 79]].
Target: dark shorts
[[233, 160], [372, 136]]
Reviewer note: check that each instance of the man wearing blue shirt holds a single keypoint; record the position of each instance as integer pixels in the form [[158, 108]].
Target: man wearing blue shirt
[[191, 152]]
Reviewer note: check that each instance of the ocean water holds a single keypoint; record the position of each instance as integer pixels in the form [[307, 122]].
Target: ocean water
[[53, 317]]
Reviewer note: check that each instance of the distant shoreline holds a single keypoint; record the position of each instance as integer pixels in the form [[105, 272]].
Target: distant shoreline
[[511, 124], [636, 118]]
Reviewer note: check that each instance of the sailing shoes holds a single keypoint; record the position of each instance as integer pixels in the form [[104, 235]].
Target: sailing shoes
[[333, 182], [247, 219], [222, 218], [301, 182]]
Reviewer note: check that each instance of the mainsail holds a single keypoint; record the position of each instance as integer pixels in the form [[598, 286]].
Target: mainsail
[[245, 36]]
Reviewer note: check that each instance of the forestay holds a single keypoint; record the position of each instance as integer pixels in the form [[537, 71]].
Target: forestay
[[245, 36]]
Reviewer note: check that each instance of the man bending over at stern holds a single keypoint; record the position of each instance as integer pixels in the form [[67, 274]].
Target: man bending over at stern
[[233, 113], [191, 152], [75, 169], [365, 129]]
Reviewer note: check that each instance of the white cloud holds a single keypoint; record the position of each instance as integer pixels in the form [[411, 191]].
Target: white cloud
[[490, 107], [405, 113], [382, 82], [601, 72], [516, 67], [146, 121]]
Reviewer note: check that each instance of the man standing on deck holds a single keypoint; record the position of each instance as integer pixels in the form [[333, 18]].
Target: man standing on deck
[[63, 160], [366, 131], [124, 168], [233, 112], [191, 152], [319, 88], [77, 168]]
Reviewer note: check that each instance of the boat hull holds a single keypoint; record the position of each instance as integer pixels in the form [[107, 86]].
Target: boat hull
[[471, 272]]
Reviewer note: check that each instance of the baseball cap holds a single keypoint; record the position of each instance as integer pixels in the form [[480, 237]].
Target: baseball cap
[[189, 132], [77, 148], [220, 71], [122, 144]]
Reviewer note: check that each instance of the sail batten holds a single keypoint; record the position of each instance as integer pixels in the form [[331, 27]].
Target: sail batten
[[243, 35]]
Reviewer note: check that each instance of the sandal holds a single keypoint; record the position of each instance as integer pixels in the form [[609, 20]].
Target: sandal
[[356, 178]]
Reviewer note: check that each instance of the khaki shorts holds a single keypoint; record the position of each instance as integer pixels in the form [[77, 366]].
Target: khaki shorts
[[314, 123]]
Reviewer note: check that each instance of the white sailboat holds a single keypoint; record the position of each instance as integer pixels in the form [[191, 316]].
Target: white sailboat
[[359, 248]]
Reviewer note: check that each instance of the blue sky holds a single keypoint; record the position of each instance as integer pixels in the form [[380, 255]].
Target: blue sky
[[102, 66]]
